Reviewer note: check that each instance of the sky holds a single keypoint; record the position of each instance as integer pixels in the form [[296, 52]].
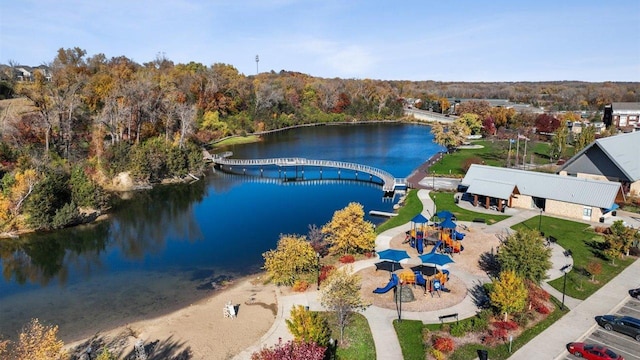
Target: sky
[[463, 40]]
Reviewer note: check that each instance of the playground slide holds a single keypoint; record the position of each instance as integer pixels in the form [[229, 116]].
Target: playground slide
[[420, 246], [420, 280], [392, 283]]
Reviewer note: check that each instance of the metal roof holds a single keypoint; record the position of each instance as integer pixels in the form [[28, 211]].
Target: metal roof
[[628, 106], [496, 189], [569, 189], [622, 150]]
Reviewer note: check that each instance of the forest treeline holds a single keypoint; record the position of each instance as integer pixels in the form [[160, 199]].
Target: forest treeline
[[67, 134]]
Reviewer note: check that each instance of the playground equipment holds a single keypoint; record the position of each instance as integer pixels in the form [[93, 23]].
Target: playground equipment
[[393, 282], [450, 245]]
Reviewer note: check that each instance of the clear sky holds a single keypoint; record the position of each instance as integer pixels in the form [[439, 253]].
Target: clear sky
[[464, 40]]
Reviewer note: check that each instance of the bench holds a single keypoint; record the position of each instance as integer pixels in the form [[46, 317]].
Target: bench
[[552, 240], [567, 253], [455, 315], [478, 220]]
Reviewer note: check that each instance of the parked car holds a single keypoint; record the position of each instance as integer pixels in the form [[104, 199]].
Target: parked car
[[622, 324], [635, 293], [592, 351]]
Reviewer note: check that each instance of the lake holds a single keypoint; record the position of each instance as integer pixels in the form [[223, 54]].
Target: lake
[[165, 248]]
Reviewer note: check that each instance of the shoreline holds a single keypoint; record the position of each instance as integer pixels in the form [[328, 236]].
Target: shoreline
[[198, 329]]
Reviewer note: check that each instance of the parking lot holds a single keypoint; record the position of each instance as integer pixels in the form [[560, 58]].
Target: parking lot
[[621, 344]]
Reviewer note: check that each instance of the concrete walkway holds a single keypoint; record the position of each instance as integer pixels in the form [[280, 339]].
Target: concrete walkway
[[550, 344], [381, 320]]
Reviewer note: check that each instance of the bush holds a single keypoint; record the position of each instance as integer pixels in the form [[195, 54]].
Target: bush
[[347, 259], [466, 164], [437, 354], [300, 286], [444, 344], [536, 292], [326, 271], [291, 350], [500, 334], [507, 325], [460, 329], [308, 326], [522, 318], [426, 336], [481, 321]]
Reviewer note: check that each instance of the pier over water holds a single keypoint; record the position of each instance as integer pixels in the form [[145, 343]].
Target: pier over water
[[389, 182]]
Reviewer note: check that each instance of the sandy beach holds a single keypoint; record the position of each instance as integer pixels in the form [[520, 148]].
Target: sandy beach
[[199, 331]]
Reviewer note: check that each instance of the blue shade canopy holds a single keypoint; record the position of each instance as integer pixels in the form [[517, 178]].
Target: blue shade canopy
[[419, 219], [393, 255], [448, 224], [436, 259], [444, 214]]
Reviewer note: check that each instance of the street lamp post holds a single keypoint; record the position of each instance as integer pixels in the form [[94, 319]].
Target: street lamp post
[[540, 222], [565, 270], [318, 270]]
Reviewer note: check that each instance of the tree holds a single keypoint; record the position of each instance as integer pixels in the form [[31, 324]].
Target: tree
[[586, 137], [341, 294], [291, 350], [619, 240], [308, 326], [37, 342], [472, 122], [509, 293], [524, 253], [348, 232], [594, 267], [293, 256], [452, 136], [546, 123]]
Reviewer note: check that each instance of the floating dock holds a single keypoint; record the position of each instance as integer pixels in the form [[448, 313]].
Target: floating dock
[[382, 213]]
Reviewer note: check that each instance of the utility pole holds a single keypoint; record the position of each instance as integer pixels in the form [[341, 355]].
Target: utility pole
[[257, 60]]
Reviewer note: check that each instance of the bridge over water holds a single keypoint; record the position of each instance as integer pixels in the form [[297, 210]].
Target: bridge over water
[[389, 182]]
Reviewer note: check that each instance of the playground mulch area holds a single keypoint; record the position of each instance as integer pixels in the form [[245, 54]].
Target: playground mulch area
[[475, 243]]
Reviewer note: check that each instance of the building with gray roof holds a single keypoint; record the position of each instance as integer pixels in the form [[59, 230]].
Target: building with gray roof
[[614, 158], [577, 198]]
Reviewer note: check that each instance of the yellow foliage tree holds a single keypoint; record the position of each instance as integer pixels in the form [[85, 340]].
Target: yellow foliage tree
[[509, 294], [341, 294], [38, 342], [12, 198], [293, 256], [348, 232]]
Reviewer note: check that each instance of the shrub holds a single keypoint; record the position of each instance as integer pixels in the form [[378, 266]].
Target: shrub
[[460, 328], [466, 164], [347, 259], [500, 334], [326, 271], [308, 326], [522, 318], [600, 229], [481, 321], [300, 286], [437, 354], [444, 344], [291, 350], [507, 325], [426, 336], [536, 292], [541, 308]]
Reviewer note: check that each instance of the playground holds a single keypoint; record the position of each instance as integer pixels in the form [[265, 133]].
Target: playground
[[475, 243]]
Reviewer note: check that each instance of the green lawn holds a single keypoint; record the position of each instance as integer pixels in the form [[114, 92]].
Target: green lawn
[[411, 208], [358, 341], [492, 153], [444, 201], [586, 246]]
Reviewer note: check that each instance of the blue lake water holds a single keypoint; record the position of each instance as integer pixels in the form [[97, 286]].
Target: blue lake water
[[163, 248]]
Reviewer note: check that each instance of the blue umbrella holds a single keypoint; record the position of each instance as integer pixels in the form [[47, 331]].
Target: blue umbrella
[[444, 214], [419, 219], [448, 224], [393, 255], [436, 259]]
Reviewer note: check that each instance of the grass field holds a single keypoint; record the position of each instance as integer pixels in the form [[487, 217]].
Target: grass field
[[586, 246]]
